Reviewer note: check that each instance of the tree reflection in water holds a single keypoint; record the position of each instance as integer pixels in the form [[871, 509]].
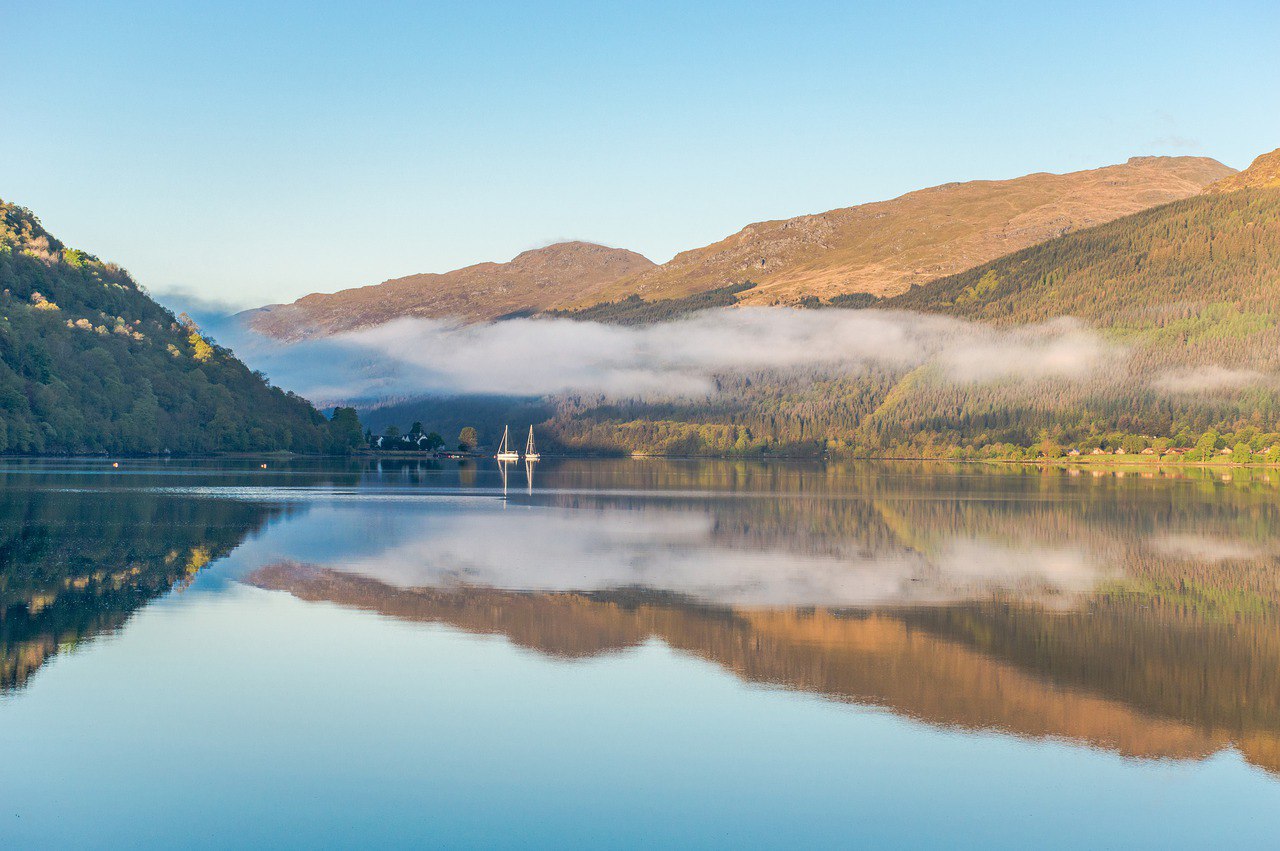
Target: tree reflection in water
[[75, 564]]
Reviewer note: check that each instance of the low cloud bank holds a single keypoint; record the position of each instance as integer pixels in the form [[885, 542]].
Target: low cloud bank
[[541, 356], [1208, 379]]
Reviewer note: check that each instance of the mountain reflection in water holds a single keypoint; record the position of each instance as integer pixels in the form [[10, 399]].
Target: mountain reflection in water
[[1134, 615], [1137, 615]]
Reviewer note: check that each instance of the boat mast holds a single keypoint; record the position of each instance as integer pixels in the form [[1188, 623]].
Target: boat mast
[[531, 449], [505, 453]]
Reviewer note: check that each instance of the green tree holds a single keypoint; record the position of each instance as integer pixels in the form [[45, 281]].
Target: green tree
[[468, 439], [345, 431], [1207, 443], [1133, 444]]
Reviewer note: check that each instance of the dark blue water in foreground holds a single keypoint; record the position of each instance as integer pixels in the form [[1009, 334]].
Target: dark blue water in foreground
[[636, 654]]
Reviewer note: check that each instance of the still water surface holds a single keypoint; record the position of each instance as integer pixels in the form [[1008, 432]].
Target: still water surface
[[636, 653]]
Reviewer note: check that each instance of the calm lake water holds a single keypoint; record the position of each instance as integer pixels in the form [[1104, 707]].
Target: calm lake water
[[636, 653]]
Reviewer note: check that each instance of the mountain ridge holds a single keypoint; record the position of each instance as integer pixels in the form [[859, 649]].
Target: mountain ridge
[[882, 248], [530, 282]]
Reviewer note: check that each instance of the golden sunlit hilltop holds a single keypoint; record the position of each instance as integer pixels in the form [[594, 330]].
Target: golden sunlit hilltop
[[880, 248], [533, 281], [884, 247], [1264, 173]]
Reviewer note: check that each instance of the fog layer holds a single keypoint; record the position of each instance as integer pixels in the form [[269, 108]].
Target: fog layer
[[541, 356]]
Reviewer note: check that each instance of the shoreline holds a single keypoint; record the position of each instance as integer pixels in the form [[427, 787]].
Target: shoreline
[[1082, 462]]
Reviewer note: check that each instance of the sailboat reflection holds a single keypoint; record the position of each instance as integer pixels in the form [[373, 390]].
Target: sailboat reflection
[[505, 474], [502, 471]]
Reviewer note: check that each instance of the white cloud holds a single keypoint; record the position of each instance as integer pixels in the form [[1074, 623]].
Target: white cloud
[[542, 356]]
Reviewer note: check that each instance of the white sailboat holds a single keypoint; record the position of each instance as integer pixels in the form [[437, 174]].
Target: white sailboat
[[505, 452], [530, 450]]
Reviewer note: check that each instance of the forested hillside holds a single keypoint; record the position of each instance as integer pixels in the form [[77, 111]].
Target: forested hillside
[[1153, 270], [90, 363]]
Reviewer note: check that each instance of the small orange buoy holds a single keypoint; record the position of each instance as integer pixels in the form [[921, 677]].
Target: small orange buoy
[[115, 463], [264, 466]]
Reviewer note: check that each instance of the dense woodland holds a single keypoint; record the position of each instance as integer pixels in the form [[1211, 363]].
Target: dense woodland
[[1188, 285], [1193, 284], [89, 363]]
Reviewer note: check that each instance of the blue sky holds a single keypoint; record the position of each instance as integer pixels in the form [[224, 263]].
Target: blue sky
[[255, 152]]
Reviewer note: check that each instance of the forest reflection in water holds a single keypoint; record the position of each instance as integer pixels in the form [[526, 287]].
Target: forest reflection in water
[[1139, 615]]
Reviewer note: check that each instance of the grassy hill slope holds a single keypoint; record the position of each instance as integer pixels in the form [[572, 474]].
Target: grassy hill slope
[[885, 247], [1263, 173], [880, 248], [1189, 290]]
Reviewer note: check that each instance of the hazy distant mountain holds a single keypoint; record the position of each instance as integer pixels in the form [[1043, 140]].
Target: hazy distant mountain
[[1264, 173], [533, 281], [885, 247]]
